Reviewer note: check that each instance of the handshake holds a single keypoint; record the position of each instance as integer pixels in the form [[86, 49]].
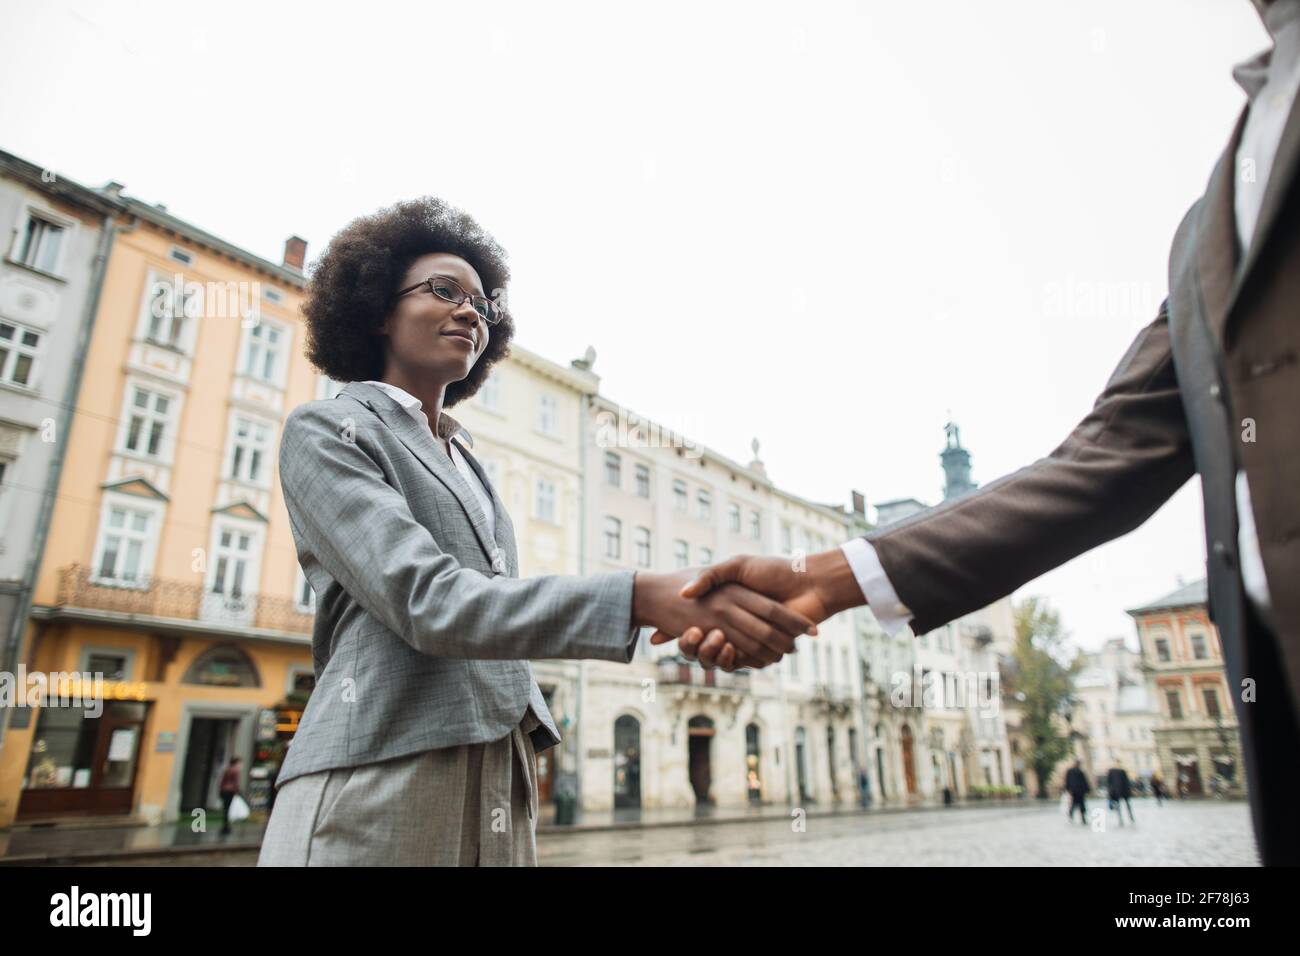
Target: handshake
[[746, 611]]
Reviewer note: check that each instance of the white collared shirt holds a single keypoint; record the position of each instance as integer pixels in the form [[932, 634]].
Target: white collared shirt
[[1270, 80], [412, 406]]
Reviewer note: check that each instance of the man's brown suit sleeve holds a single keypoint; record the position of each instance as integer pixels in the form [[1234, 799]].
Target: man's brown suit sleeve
[[1118, 466]]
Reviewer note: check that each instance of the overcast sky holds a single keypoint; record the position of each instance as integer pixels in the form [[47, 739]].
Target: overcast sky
[[826, 225]]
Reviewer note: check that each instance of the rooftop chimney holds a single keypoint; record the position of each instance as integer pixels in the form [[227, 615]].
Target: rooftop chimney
[[113, 189], [859, 504], [295, 252]]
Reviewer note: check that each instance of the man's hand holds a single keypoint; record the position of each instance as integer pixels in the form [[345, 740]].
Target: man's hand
[[817, 588], [759, 628]]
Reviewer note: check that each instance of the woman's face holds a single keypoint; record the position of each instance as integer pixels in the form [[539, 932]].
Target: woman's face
[[429, 337]]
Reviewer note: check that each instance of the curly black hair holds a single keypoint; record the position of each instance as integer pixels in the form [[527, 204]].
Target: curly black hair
[[354, 285]]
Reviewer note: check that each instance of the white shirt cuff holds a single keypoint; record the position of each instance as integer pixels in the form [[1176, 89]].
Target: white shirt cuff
[[881, 597]]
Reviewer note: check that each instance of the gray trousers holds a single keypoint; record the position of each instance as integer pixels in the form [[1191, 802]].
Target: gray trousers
[[471, 805]]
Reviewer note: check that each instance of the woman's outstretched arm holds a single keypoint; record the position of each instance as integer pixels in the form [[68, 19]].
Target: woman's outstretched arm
[[346, 517]]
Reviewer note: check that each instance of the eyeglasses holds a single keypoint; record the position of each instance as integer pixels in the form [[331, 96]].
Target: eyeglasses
[[449, 290]]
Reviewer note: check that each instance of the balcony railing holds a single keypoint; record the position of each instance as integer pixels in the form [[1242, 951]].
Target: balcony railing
[[79, 587], [832, 697], [678, 673]]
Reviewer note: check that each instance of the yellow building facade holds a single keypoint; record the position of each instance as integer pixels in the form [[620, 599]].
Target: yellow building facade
[[170, 568]]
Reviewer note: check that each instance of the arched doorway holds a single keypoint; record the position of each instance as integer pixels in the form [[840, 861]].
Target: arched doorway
[[753, 758], [627, 762], [909, 769], [700, 742]]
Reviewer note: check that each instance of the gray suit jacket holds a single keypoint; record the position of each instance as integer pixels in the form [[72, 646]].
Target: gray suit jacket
[[423, 628]]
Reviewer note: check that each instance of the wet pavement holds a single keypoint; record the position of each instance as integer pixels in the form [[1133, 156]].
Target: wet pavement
[[1204, 833]]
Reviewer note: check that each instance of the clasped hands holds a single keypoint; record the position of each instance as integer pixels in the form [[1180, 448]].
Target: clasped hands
[[745, 611]]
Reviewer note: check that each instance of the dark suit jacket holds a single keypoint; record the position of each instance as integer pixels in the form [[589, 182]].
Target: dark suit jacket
[[1076, 784], [1117, 783], [1225, 347]]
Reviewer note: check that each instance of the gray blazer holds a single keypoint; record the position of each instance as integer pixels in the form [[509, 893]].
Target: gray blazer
[[423, 628]]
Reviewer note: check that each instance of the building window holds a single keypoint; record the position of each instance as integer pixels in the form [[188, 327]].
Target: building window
[[548, 415], [125, 546], [1162, 649], [113, 667], [679, 495], [264, 351], [613, 538], [1211, 699], [643, 547], [234, 554], [787, 538], [40, 243], [704, 501], [18, 348], [733, 518], [755, 525], [1200, 650], [250, 448], [642, 481], [706, 556], [1175, 704], [489, 394], [147, 420], [681, 554], [169, 309], [544, 501], [613, 470], [304, 594], [223, 666]]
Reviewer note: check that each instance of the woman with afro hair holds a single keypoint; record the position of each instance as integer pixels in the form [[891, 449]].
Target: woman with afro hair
[[418, 744]]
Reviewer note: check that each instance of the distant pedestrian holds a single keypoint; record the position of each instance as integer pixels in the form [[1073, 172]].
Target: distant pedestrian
[[1158, 788], [1119, 788], [231, 782], [1076, 785]]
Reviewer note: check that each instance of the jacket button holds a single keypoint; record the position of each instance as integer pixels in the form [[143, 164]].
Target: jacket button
[[1221, 551], [498, 562], [1214, 391]]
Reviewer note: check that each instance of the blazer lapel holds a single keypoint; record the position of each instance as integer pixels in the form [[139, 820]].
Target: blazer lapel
[[426, 450], [1286, 164], [1216, 243]]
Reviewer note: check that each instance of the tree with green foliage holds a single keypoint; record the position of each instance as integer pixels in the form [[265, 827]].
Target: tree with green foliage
[[1041, 679]]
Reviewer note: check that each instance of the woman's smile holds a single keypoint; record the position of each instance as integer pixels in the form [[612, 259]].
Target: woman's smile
[[462, 335]]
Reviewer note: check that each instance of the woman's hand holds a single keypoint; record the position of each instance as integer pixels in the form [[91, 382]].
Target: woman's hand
[[760, 629]]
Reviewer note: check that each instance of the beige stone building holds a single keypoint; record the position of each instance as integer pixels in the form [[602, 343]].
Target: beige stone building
[[1116, 713], [665, 733], [526, 423]]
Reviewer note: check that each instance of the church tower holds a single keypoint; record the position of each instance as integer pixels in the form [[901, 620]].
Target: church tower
[[956, 465]]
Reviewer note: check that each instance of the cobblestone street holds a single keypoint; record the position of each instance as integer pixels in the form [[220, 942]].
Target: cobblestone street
[[1202, 834], [1207, 833]]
